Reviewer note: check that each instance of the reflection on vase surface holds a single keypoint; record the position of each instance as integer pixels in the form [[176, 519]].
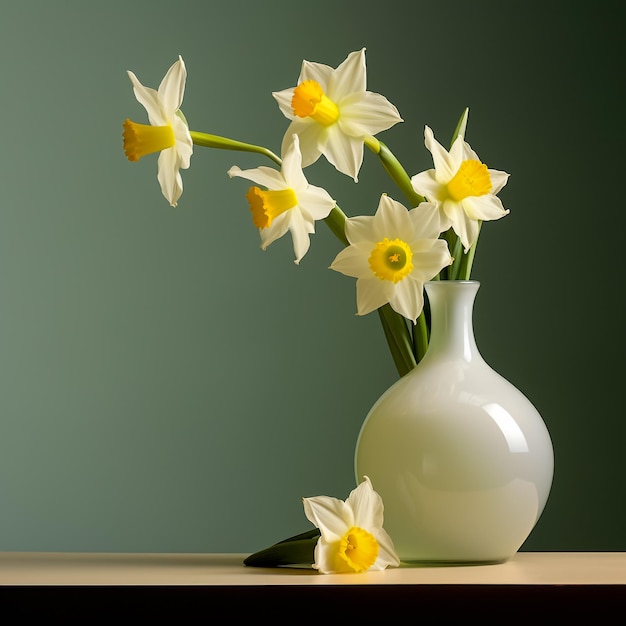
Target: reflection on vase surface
[[462, 459]]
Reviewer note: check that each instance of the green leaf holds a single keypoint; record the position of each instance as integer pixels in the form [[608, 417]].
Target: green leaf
[[398, 174], [398, 339], [456, 250], [297, 550], [461, 126]]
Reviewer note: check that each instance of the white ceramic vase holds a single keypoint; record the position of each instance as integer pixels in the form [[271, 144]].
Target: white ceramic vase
[[462, 459]]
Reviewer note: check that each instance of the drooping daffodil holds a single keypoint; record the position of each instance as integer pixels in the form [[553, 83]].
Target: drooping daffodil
[[392, 254], [332, 112], [289, 203], [463, 188], [167, 132], [352, 537]]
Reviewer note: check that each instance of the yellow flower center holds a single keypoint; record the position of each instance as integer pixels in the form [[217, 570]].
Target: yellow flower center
[[142, 139], [391, 260], [358, 549], [472, 179], [309, 100], [267, 205]]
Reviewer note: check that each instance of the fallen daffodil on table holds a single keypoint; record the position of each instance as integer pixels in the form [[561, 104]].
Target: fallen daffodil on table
[[352, 537], [349, 536], [391, 253]]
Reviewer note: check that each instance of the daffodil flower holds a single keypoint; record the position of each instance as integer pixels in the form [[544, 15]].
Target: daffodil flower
[[463, 188], [167, 132], [352, 537], [288, 203], [392, 254], [333, 114]]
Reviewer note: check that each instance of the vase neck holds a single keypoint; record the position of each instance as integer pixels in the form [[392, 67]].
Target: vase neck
[[452, 330]]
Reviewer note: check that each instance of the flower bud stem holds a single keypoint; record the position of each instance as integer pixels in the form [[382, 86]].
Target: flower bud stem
[[223, 143]]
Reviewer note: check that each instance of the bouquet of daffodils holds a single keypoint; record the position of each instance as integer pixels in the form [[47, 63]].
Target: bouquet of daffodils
[[430, 235]]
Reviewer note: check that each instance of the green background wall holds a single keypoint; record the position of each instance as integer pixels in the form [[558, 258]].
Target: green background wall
[[166, 386]]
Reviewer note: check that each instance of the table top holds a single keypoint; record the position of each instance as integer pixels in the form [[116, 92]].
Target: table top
[[227, 570]]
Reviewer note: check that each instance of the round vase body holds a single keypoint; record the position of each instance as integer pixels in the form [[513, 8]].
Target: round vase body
[[462, 459]]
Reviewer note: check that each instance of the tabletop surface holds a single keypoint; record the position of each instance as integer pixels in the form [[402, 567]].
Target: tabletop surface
[[525, 568]]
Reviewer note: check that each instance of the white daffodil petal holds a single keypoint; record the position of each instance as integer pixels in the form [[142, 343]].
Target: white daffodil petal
[[317, 201], [319, 72], [263, 175], [328, 514], [408, 299], [327, 559], [300, 230], [172, 87], [359, 228], [392, 220], [467, 152], [184, 142], [169, 177], [427, 185], [426, 220], [484, 208], [498, 180], [149, 99], [387, 556], [292, 165], [284, 98], [429, 258], [459, 152], [312, 138], [349, 77], [344, 152], [352, 262], [367, 506], [453, 210], [471, 229], [370, 295], [278, 228], [444, 169], [465, 227], [367, 114]]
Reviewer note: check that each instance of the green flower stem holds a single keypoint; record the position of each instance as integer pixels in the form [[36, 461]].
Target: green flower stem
[[396, 354], [465, 267], [456, 250], [394, 169], [223, 143], [420, 337], [336, 221], [398, 338]]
